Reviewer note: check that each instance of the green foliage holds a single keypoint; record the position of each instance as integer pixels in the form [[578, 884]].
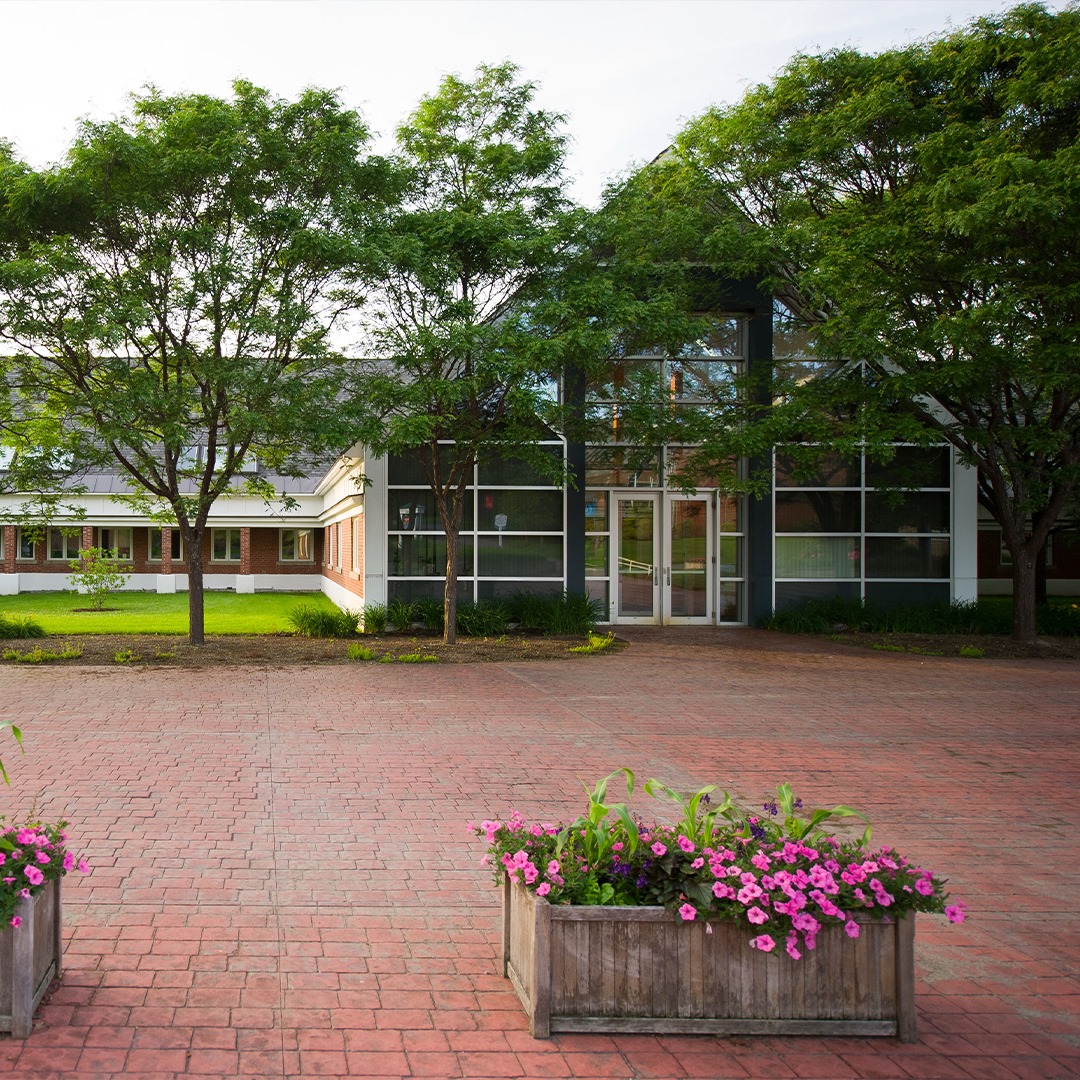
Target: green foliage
[[376, 618], [16, 734], [597, 643], [183, 268], [402, 614], [971, 652], [386, 658], [430, 614], [417, 658], [486, 618], [984, 616], [917, 212], [126, 656], [38, 655], [97, 574], [356, 651], [566, 613], [593, 834], [20, 626], [314, 621]]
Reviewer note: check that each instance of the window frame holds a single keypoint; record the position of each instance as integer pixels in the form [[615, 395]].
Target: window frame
[[295, 558], [228, 531], [67, 538], [98, 542], [176, 541]]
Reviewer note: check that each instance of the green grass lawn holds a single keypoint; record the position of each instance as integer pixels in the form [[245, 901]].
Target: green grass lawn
[[151, 613]]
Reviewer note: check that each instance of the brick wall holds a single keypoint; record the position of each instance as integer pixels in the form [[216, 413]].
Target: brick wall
[[342, 570], [264, 556]]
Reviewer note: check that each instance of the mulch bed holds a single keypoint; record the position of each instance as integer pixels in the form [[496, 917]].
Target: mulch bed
[[281, 650], [992, 646]]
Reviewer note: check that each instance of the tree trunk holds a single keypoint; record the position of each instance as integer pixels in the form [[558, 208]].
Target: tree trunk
[[450, 590], [193, 538], [1023, 590]]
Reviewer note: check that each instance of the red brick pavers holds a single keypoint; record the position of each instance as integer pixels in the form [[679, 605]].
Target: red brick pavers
[[282, 884]]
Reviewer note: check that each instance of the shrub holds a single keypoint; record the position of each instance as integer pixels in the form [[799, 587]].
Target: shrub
[[431, 613], [972, 652], [401, 614], [97, 574], [1059, 620], [38, 655], [127, 656], [566, 613], [312, 621], [20, 626], [597, 643], [488, 618], [356, 651], [376, 619]]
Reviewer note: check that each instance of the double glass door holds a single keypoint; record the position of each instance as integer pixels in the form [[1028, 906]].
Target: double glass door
[[664, 558]]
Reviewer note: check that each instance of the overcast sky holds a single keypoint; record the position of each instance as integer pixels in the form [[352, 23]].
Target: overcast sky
[[627, 73]]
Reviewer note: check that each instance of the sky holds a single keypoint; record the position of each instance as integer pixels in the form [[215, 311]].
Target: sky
[[627, 74]]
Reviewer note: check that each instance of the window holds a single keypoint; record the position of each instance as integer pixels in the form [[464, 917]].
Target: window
[[63, 544], [1, 543], [357, 524], [7, 456], [26, 549], [1005, 557], [296, 545], [154, 545], [118, 540], [225, 545]]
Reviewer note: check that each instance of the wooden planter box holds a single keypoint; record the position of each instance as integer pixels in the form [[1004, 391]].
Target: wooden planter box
[[646, 970], [29, 959]]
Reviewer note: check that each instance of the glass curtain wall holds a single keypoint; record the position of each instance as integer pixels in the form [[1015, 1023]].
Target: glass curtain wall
[[704, 372], [512, 535]]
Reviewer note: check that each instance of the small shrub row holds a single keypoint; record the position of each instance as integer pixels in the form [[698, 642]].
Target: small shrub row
[[568, 613], [976, 617], [38, 655], [312, 621], [20, 626]]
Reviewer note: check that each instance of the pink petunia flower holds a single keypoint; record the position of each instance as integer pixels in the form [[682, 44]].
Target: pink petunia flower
[[16, 921], [658, 849], [756, 915], [688, 912], [34, 875], [763, 942], [686, 843], [955, 913], [851, 928], [543, 889], [83, 866]]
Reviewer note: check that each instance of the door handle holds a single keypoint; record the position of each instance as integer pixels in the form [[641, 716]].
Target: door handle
[[667, 572], [656, 575]]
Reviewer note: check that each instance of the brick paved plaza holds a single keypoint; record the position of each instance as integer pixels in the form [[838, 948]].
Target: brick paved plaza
[[282, 884]]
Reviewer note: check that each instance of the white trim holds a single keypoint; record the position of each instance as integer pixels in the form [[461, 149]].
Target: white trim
[[341, 596]]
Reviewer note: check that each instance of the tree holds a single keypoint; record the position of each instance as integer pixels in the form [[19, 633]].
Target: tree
[[919, 210], [170, 292], [96, 574], [469, 261]]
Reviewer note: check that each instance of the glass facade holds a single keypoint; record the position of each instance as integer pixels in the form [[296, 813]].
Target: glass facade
[[855, 528], [512, 534]]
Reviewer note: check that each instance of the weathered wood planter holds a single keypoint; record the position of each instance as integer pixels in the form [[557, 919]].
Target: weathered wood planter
[[29, 959], [645, 970]]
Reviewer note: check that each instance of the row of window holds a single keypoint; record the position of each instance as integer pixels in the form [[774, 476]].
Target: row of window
[[294, 545]]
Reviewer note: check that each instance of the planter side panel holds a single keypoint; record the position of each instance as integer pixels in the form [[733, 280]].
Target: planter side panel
[[29, 960], [631, 967]]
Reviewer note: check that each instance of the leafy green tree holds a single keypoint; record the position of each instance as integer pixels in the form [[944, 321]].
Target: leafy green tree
[[168, 294], [97, 574], [919, 211], [470, 258]]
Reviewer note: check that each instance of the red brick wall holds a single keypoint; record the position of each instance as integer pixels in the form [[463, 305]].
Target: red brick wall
[[1064, 555], [349, 577], [263, 558]]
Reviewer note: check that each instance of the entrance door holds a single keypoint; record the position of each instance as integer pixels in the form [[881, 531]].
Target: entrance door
[[637, 595], [687, 581]]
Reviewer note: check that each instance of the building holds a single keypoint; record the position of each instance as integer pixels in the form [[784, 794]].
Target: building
[[646, 550]]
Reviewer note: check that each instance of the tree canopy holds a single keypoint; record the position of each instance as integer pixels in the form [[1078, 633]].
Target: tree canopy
[[919, 212], [471, 326], [169, 292]]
